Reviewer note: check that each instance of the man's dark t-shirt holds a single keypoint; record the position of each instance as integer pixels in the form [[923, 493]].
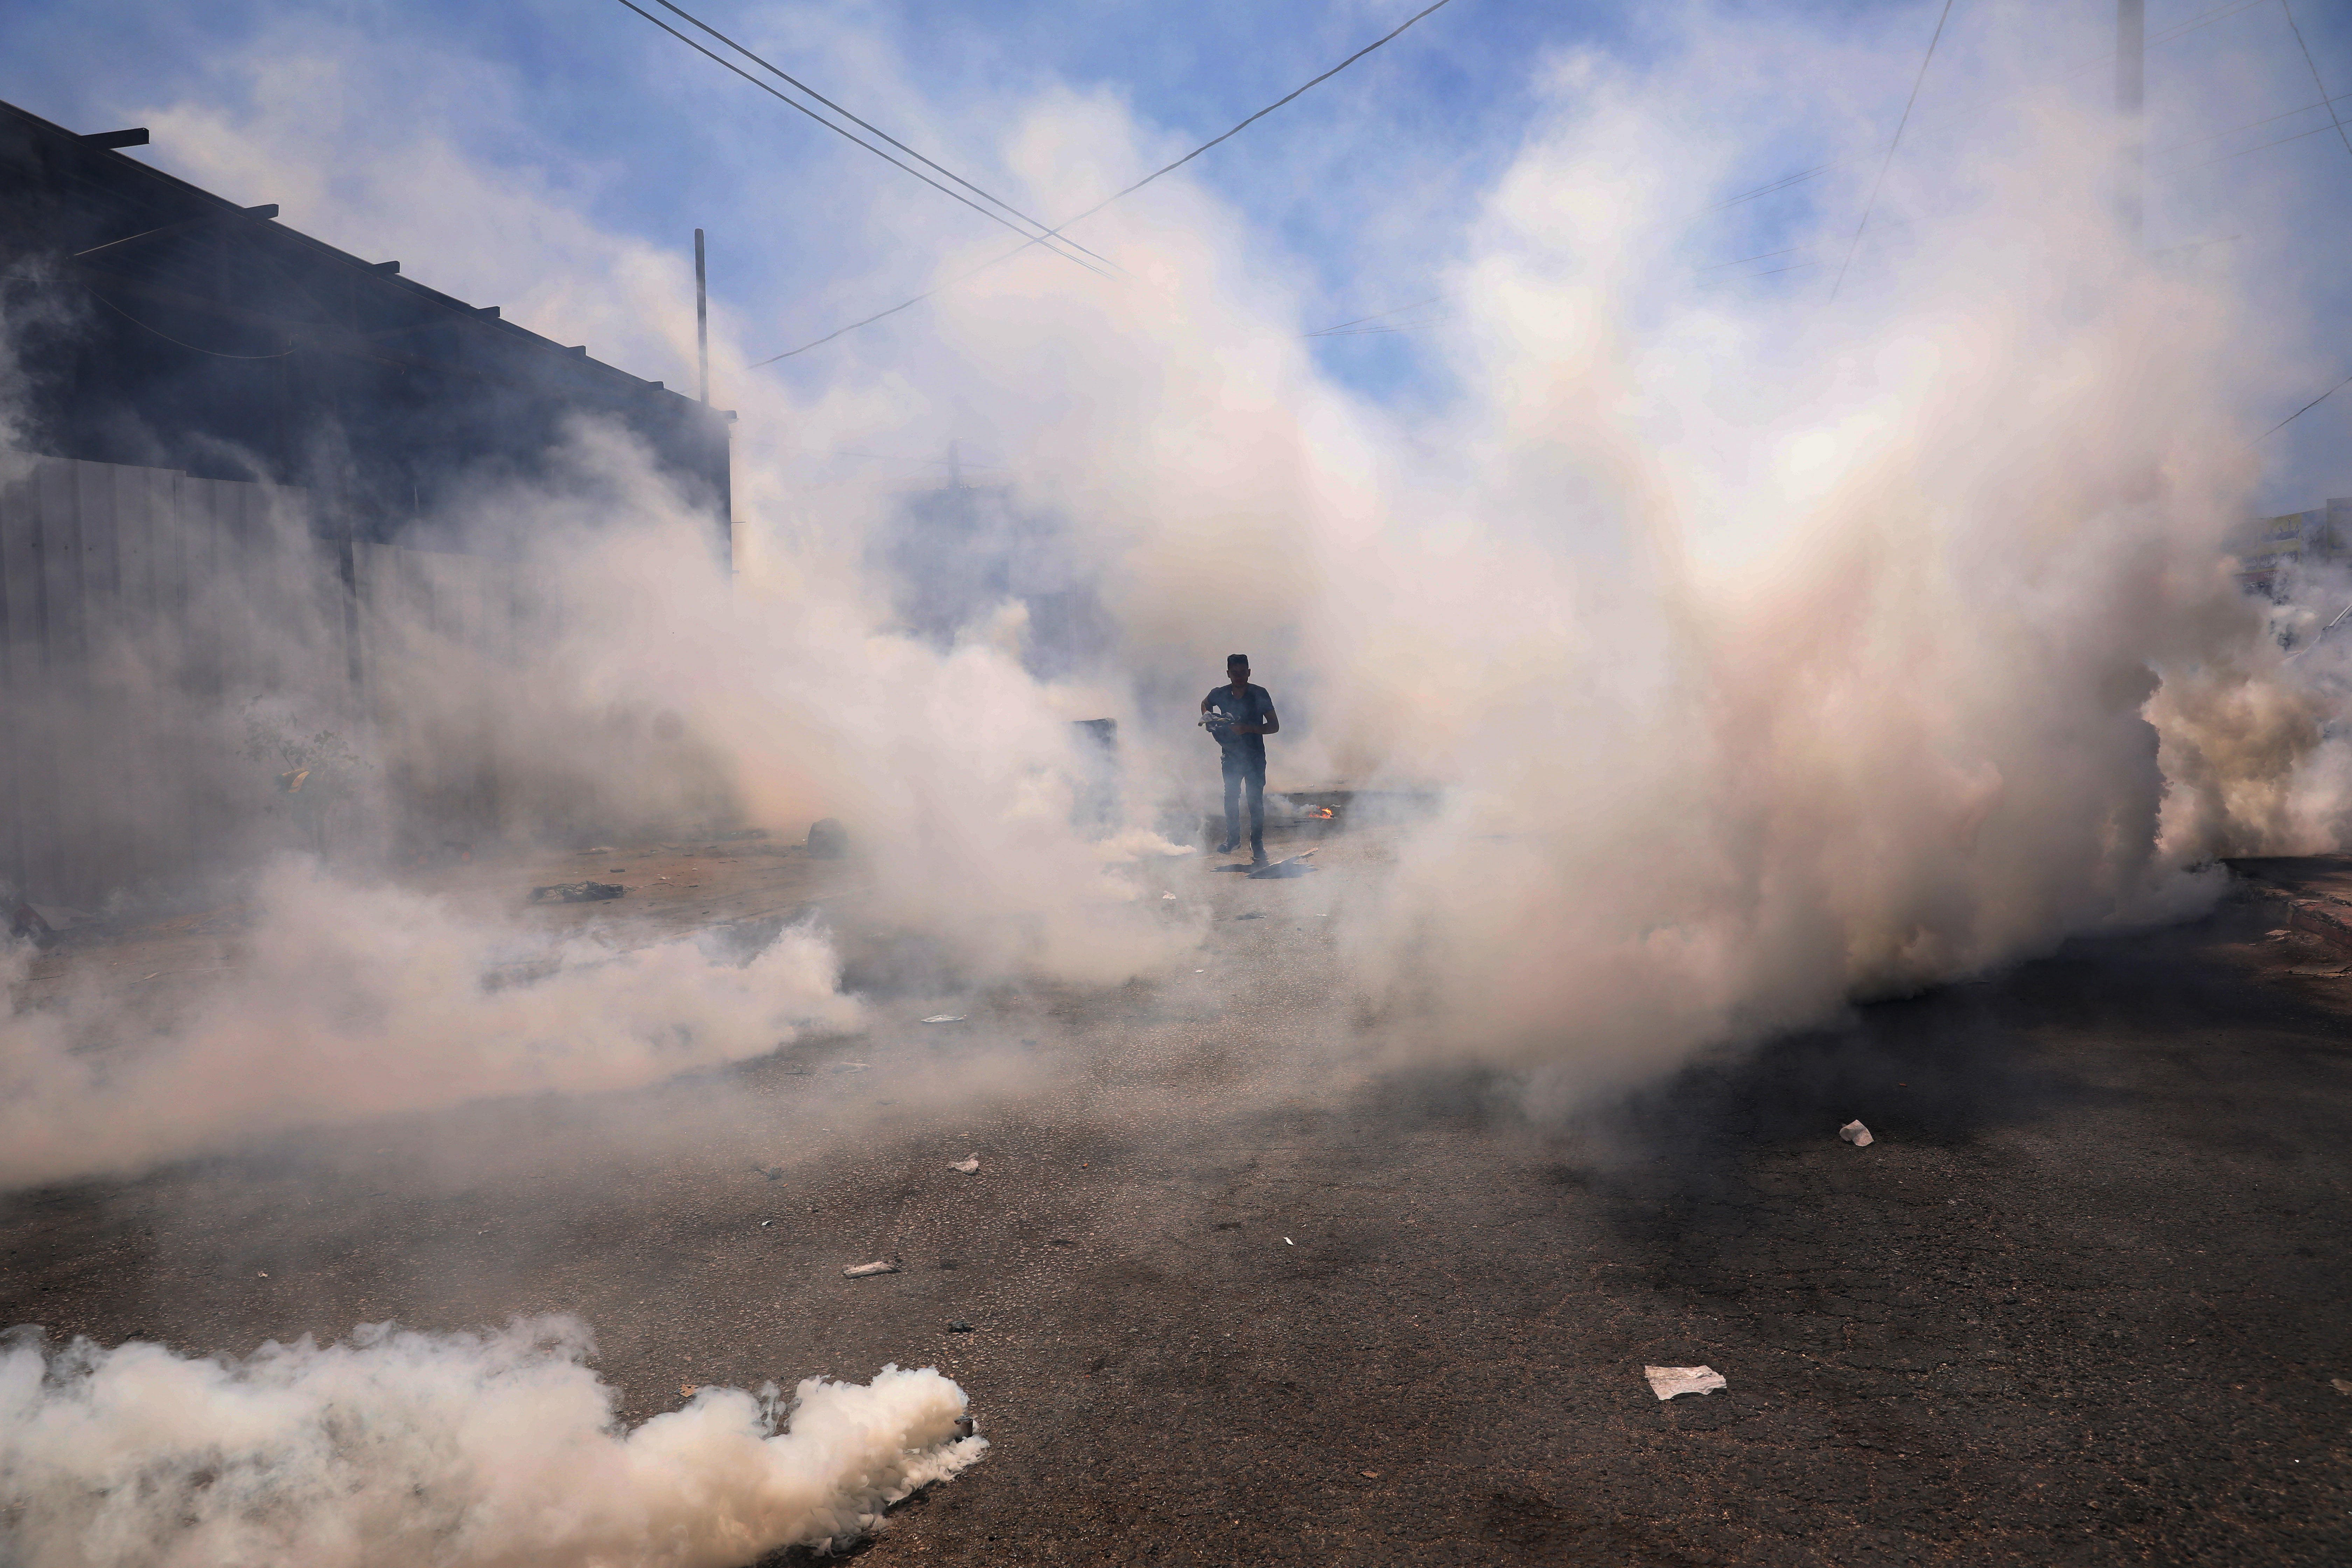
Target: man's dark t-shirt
[[1254, 705]]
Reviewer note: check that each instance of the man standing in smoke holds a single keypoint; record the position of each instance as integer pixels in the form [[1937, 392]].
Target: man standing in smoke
[[1241, 716]]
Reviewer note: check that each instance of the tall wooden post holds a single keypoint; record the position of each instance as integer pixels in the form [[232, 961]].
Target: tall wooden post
[[2131, 82], [701, 321]]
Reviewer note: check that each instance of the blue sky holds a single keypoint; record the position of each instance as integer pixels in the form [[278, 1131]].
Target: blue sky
[[1360, 192]]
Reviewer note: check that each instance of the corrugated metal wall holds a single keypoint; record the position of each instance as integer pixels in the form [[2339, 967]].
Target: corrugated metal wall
[[429, 624], [146, 617], [135, 605]]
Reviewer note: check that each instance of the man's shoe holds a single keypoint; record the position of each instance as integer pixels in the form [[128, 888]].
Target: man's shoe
[[1257, 858], [1229, 846]]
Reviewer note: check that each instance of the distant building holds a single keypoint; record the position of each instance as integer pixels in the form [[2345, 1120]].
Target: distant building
[[956, 553], [2272, 549]]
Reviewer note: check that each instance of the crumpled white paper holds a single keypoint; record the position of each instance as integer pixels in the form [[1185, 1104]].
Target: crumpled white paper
[[1666, 1381], [1855, 1133]]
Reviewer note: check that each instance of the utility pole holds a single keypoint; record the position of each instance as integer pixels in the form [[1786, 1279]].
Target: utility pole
[[2131, 81], [701, 321]]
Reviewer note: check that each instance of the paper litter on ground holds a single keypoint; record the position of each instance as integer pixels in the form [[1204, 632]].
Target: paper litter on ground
[[967, 1166], [866, 1270], [944, 1018], [1666, 1381], [1855, 1133]]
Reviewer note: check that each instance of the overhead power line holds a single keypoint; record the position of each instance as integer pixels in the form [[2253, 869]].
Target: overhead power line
[[1783, 184], [1743, 260], [2321, 86], [1358, 324], [2301, 412], [2102, 62], [2233, 131], [867, 125], [2177, 30], [1869, 205], [2243, 152], [1261, 114], [829, 125], [1115, 195]]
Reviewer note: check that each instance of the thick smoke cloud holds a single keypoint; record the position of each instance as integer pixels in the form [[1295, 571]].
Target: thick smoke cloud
[[649, 695], [353, 1001], [1769, 649], [403, 1448]]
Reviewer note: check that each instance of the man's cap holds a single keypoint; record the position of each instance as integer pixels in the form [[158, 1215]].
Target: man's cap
[[1234, 659]]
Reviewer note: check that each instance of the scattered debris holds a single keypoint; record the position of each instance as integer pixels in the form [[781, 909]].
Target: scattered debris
[[766, 1223], [944, 1018], [291, 784], [596, 849], [1666, 1381], [1370, 1475], [867, 1270], [263, 1275], [958, 1326], [1169, 897], [686, 1390], [2340, 1385], [576, 892], [967, 1166], [1855, 1133], [828, 840], [1287, 1242]]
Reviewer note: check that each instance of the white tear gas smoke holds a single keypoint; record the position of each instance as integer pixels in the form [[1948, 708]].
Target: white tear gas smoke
[[402, 1449], [353, 1001], [597, 667], [1769, 653]]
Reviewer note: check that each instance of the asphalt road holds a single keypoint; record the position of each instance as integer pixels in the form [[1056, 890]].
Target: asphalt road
[[2082, 1301]]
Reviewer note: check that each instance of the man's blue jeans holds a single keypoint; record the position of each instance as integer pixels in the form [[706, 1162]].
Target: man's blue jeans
[[1240, 769]]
